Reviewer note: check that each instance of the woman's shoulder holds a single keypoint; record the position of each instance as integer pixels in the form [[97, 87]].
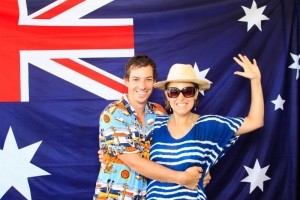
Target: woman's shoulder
[[214, 116], [222, 120], [162, 118], [209, 117]]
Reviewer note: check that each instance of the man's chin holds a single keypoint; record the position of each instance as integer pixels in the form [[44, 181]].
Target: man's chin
[[143, 98]]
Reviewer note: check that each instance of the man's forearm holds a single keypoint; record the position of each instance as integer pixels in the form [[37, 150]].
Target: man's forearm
[[156, 171]]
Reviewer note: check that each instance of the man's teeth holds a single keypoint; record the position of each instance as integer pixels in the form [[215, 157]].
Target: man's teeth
[[141, 93]]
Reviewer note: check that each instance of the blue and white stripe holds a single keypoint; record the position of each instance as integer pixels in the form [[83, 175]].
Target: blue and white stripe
[[201, 146]]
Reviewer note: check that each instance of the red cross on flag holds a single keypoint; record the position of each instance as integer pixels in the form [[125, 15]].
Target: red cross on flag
[[53, 39]]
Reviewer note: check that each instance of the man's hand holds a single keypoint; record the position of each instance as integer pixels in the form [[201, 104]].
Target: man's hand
[[100, 155], [191, 177], [207, 179]]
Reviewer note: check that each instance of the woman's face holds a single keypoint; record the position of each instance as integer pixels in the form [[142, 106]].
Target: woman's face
[[181, 96]]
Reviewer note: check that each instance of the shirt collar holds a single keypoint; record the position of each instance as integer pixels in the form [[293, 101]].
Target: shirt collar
[[131, 109]]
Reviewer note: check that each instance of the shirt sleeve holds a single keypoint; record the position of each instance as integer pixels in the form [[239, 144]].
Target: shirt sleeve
[[226, 127], [219, 129], [117, 132]]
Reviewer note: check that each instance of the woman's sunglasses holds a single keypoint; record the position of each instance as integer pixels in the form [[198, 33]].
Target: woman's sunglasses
[[187, 92]]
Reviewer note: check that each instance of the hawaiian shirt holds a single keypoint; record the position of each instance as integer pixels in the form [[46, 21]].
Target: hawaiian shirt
[[122, 131]]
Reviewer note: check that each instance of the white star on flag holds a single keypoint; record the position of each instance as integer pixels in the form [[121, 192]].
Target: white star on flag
[[278, 102], [15, 166], [253, 16], [256, 176], [201, 75], [296, 64]]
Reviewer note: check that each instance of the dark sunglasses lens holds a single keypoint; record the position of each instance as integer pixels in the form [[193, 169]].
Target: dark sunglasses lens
[[173, 92], [188, 92]]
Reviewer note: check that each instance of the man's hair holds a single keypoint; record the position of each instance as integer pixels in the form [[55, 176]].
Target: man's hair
[[139, 61]]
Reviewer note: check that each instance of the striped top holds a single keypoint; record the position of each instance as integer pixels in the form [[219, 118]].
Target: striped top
[[202, 146]]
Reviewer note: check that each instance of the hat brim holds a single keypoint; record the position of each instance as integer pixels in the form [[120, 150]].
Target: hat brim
[[203, 85]]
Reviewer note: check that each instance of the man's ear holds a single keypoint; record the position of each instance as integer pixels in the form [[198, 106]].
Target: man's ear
[[126, 81]]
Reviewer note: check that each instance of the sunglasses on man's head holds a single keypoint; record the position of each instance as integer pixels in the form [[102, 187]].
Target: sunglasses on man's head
[[188, 92]]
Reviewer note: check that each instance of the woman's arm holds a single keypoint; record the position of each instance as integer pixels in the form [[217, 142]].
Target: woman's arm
[[255, 117]]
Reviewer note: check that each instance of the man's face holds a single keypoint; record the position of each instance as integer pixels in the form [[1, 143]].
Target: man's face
[[140, 85]]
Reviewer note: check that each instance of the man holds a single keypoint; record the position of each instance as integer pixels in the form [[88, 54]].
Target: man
[[124, 125]]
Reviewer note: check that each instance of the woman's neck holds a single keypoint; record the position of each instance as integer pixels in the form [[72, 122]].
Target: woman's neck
[[183, 120]]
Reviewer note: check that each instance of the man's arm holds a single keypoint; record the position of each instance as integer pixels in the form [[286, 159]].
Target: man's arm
[[189, 172], [255, 117], [189, 178]]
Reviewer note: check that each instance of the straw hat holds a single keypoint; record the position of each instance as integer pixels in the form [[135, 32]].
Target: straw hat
[[183, 73]]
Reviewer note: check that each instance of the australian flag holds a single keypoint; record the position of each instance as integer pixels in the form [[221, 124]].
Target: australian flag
[[62, 62]]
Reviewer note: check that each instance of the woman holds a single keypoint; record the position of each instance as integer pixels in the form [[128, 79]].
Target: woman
[[186, 139]]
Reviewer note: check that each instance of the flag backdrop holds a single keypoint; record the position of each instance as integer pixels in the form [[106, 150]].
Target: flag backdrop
[[62, 62]]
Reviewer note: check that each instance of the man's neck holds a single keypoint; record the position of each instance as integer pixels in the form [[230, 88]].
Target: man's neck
[[138, 108]]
